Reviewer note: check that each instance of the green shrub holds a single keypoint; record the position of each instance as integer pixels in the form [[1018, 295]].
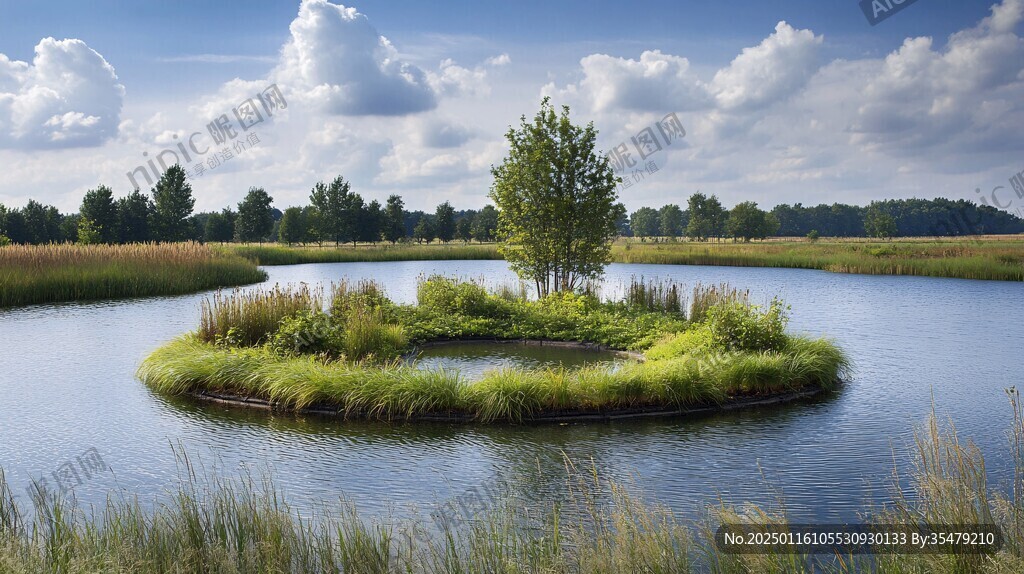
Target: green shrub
[[444, 295], [308, 332], [737, 326], [368, 337]]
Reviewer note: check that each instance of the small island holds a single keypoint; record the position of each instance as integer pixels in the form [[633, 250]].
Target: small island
[[285, 349]]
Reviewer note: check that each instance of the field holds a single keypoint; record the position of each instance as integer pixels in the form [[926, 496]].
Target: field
[[55, 273]]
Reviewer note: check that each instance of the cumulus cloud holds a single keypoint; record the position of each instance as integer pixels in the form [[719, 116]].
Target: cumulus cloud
[[69, 96], [776, 68], [500, 60], [336, 58]]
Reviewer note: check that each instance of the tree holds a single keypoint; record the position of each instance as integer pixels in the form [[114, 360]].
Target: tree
[[464, 228], [293, 226], [351, 217], [88, 232], [747, 221], [813, 235], [622, 221], [133, 213], [645, 222], [707, 217], [42, 223], [255, 216], [670, 221], [333, 204], [878, 223], [485, 224], [371, 223], [424, 231], [394, 219], [172, 206], [99, 209], [444, 222], [556, 197], [15, 227]]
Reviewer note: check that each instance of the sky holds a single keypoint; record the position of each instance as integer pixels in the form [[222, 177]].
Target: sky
[[802, 101]]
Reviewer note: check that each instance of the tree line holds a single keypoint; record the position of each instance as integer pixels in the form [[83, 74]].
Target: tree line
[[336, 214], [705, 218]]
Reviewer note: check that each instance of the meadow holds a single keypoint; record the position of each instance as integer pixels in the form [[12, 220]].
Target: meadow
[[241, 525], [67, 272], [279, 346]]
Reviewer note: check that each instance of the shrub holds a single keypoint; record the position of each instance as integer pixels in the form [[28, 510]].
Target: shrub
[[737, 326], [451, 296], [368, 337], [308, 332]]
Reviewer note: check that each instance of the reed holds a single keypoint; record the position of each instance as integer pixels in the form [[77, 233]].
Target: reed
[[280, 255], [247, 318], [32, 274]]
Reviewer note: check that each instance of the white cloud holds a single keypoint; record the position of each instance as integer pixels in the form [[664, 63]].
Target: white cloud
[[500, 60], [69, 96], [336, 58]]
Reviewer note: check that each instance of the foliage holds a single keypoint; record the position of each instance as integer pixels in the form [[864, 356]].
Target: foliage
[[735, 326], [747, 221], [556, 197], [672, 221], [255, 218], [813, 235], [707, 217], [485, 224], [424, 231], [88, 232], [133, 215], [99, 208], [394, 221], [878, 223], [293, 226], [645, 222], [172, 205], [444, 222]]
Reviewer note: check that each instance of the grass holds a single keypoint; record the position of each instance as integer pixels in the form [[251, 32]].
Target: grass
[[56, 273], [244, 525], [347, 360], [985, 257]]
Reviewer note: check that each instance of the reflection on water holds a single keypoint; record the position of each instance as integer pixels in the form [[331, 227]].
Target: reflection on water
[[473, 359], [67, 385]]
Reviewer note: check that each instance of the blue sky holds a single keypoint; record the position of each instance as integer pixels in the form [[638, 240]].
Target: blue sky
[[813, 110]]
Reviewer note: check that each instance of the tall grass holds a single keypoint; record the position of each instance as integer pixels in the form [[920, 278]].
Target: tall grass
[[249, 317], [215, 524], [280, 255], [31, 274], [964, 259], [188, 365]]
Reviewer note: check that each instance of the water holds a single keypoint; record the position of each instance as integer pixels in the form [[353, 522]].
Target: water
[[473, 359], [67, 385]]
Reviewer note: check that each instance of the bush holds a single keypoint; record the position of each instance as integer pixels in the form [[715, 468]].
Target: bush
[[736, 326], [451, 296], [307, 332], [368, 337]]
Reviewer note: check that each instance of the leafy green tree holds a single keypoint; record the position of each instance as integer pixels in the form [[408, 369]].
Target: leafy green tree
[[464, 228], [645, 222], [556, 197], [88, 232], [485, 224], [747, 221], [293, 227], [15, 227], [334, 220], [255, 216], [878, 223], [68, 228], [42, 223], [99, 208], [172, 206], [670, 221], [622, 221], [133, 214], [424, 231], [444, 222], [4, 240], [813, 235], [707, 217], [394, 219], [371, 223]]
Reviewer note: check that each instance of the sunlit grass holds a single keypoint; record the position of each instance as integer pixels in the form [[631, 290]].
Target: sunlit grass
[[31, 274]]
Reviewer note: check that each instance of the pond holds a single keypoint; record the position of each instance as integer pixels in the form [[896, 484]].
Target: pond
[[472, 359], [67, 385]]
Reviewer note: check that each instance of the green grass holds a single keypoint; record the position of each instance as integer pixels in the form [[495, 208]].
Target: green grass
[[734, 350], [212, 524], [56, 273], [990, 257]]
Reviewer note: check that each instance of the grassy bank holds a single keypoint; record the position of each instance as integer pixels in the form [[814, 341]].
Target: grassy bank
[[244, 525], [56, 273], [993, 258], [278, 346]]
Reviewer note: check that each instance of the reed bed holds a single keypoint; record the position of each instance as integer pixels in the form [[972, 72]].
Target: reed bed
[[965, 259], [250, 317], [213, 524], [280, 255], [32, 274]]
